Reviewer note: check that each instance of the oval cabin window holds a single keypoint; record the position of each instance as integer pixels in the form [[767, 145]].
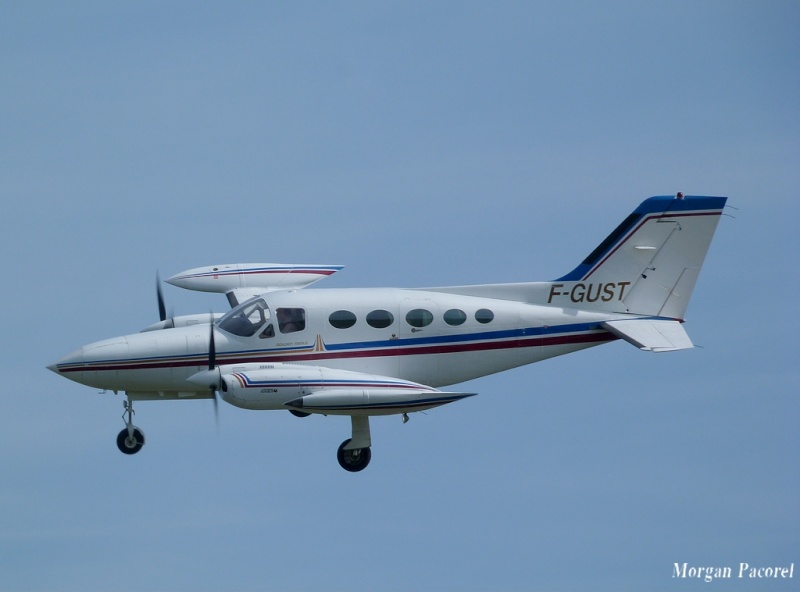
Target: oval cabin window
[[419, 317], [380, 319], [484, 315], [342, 319], [455, 317]]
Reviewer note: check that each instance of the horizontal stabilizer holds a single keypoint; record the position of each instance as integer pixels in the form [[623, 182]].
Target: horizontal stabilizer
[[651, 334]]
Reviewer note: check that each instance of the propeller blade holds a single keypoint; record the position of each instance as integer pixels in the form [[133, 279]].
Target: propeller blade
[[216, 409], [162, 309], [212, 349], [212, 377], [212, 364]]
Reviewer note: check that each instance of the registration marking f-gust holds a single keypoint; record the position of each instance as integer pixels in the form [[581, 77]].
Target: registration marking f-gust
[[592, 292]]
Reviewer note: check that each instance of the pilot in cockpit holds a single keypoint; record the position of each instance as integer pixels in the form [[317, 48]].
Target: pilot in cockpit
[[290, 320]]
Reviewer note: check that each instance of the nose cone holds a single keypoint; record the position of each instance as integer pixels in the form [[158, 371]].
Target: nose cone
[[54, 366], [87, 365], [155, 362], [70, 362]]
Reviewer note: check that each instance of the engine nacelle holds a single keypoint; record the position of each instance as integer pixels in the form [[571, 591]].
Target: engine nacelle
[[386, 401], [314, 389]]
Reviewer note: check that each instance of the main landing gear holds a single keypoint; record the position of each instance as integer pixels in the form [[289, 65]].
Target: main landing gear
[[131, 439], [354, 453]]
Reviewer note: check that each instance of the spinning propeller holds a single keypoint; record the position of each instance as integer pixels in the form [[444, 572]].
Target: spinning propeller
[[212, 365], [211, 377], [165, 322], [162, 309], [170, 321]]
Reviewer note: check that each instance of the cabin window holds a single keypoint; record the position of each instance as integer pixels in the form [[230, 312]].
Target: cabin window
[[419, 317], [291, 320], [455, 317], [342, 319], [380, 319], [484, 315]]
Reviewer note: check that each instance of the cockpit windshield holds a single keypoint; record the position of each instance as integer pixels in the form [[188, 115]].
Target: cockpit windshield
[[246, 319]]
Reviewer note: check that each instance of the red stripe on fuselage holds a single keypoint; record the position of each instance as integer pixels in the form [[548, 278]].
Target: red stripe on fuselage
[[266, 357]]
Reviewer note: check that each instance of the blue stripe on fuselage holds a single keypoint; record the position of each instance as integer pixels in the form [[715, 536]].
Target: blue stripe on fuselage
[[417, 345], [486, 336]]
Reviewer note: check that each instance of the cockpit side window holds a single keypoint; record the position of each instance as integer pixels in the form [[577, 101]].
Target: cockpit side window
[[291, 320], [246, 319]]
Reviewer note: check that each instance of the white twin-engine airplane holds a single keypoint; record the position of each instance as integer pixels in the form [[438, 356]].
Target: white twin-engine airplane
[[364, 352]]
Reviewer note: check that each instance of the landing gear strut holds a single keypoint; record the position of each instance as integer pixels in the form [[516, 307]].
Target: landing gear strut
[[131, 439], [354, 453]]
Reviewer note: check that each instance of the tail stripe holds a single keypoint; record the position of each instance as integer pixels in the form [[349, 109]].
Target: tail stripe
[[645, 221], [657, 207], [611, 239]]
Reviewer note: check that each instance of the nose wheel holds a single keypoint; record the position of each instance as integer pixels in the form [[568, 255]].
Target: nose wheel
[[130, 443], [131, 439]]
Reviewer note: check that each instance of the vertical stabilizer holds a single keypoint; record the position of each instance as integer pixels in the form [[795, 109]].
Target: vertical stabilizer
[[650, 263]]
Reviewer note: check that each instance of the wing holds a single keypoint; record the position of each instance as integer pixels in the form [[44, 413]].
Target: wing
[[240, 281]]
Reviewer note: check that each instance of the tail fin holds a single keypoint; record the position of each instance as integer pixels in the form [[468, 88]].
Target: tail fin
[[649, 265]]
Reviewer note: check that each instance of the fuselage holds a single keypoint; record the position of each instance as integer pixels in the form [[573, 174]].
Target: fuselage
[[429, 337]]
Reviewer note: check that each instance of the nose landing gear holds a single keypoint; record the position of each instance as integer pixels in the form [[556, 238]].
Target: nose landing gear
[[131, 439]]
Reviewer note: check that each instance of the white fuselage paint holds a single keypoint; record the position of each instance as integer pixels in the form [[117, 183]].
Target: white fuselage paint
[[156, 364]]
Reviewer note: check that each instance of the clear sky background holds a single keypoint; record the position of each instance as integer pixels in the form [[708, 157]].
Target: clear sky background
[[417, 143]]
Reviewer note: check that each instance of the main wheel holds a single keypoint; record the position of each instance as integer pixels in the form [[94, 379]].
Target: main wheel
[[130, 445], [353, 460]]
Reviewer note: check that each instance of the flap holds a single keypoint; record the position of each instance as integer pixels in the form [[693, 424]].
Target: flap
[[651, 334]]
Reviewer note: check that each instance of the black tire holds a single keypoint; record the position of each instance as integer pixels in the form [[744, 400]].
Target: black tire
[[297, 413], [130, 447], [353, 460]]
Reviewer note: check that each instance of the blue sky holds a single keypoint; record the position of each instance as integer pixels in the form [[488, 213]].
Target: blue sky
[[417, 144]]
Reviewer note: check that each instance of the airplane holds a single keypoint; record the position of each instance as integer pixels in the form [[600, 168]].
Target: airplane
[[363, 352]]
